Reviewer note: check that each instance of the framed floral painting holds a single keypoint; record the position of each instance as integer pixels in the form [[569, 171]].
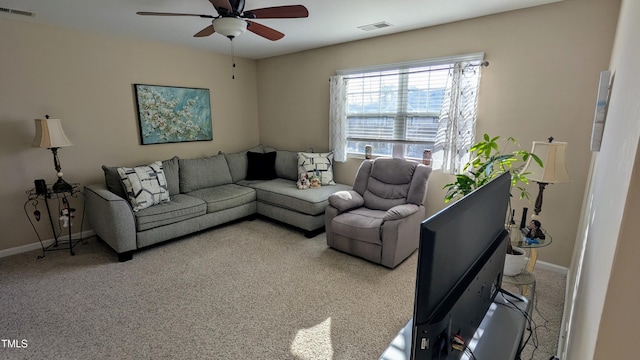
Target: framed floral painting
[[169, 114]]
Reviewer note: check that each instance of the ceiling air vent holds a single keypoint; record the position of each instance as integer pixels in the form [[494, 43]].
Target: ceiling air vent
[[17, 12], [376, 26]]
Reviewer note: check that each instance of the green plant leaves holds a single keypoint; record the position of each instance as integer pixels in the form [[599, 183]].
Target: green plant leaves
[[486, 162]]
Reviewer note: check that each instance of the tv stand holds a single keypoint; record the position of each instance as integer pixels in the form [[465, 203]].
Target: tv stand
[[498, 337]]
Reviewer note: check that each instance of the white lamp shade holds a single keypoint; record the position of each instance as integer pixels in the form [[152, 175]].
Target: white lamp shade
[[552, 155], [229, 26], [49, 134]]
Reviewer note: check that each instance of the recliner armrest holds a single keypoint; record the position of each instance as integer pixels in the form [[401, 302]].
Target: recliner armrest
[[346, 200], [400, 211]]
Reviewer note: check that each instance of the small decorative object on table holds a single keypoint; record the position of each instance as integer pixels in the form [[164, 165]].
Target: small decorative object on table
[[534, 233], [368, 151], [426, 157]]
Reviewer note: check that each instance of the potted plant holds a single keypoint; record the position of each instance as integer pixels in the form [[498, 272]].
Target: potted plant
[[487, 161], [514, 261]]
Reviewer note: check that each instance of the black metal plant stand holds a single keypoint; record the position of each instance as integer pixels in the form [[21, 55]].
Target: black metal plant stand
[[67, 214]]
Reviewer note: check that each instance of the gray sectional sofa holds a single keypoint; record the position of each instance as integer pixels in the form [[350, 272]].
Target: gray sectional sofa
[[203, 193]]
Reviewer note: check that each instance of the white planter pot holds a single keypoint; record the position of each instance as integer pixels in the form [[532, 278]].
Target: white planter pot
[[514, 263]]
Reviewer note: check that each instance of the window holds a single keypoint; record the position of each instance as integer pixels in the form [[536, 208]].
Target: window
[[403, 109], [395, 109]]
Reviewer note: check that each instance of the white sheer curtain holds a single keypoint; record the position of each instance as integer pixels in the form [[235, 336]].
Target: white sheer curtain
[[338, 117], [457, 124]]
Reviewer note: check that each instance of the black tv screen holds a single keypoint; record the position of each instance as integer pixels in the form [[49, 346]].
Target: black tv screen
[[461, 247]]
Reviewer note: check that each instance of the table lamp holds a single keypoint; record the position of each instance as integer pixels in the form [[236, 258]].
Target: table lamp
[[49, 134], [554, 170]]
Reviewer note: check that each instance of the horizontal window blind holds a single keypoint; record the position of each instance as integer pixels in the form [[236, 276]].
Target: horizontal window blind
[[398, 106], [399, 109]]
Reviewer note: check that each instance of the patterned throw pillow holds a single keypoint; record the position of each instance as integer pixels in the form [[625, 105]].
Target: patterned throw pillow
[[317, 164], [145, 185]]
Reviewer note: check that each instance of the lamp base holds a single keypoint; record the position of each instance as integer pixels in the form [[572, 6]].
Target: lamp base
[[538, 206], [61, 186]]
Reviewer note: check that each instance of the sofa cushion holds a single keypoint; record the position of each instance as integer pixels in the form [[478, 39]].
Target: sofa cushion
[[225, 196], [261, 166], [317, 164], [287, 164], [285, 194], [171, 169], [145, 185], [388, 183], [180, 208], [238, 162], [196, 174], [361, 224], [113, 182]]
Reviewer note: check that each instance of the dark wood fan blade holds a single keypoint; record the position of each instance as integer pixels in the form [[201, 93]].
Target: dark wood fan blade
[[205, 32], [264, 31], [278, 12], [222, 4], [174, 14]]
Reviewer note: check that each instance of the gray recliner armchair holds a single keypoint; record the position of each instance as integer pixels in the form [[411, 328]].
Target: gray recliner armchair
[[379, 220]]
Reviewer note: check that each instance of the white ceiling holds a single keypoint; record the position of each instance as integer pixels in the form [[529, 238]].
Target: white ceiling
[[329, 22]]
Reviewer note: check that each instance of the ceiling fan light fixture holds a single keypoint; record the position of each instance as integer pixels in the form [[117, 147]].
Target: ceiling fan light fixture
[[229, 26]]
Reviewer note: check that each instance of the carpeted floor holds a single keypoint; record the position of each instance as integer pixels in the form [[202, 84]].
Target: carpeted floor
[[547, 315], [249, 290]]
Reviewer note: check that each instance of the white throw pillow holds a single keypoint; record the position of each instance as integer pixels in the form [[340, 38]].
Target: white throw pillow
[[317, 164], [145, 185]]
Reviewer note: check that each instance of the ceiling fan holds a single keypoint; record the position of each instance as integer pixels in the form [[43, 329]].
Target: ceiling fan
[[232, 20]]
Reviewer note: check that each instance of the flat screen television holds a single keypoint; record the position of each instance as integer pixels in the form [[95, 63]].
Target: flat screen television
[[460, 262]]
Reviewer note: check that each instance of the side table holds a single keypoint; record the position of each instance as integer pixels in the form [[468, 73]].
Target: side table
[[520, 241], [60, 202], [525, 280]]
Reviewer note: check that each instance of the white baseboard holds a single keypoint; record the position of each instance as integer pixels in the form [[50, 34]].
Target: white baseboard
[[37, 246], [552, 267]]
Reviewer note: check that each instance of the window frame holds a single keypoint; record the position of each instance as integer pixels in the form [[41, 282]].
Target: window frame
[[398, 146]]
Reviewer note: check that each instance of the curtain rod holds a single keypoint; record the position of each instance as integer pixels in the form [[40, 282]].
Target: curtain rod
[[354, 76]]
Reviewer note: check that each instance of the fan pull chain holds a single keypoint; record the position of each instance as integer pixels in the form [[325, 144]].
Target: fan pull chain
[[233, 61]]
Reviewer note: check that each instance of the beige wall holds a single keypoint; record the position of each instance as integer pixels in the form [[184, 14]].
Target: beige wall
[[541, 82], [86, 80], [601, 312]]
